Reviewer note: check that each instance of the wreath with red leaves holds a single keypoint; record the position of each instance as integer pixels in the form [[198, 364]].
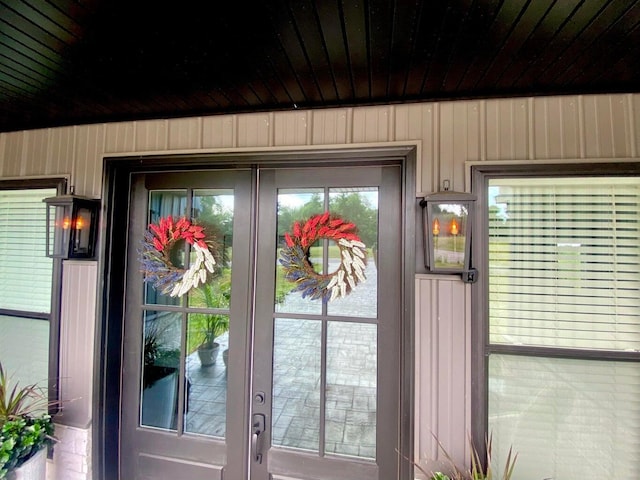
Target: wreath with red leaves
[[294, 257], [155, 256]]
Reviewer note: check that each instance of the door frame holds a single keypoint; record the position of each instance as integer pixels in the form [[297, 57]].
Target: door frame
[[112, 270]]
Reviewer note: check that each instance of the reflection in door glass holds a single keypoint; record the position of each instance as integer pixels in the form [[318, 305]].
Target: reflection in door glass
[[163, 203], [207, 332], [359, 206], [297, 206], [296, 383], [207, 351], [351, 389], [213, 209], [162, 332]]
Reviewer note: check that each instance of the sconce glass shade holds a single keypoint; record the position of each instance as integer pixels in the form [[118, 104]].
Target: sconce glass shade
[[447, 218], [71, 226]]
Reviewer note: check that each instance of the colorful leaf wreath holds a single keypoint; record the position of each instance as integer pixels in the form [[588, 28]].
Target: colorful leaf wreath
[[294, 257], [156, 261]]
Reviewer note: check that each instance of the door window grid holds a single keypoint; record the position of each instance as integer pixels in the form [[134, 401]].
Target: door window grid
[[325, 372], [563, 275], [168, 334]]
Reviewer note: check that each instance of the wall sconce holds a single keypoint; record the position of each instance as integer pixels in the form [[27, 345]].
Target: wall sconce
[[447, 221], [71, 226]]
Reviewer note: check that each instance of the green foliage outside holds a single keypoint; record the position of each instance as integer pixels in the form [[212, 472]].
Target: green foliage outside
[[351, 206], [204, 328]]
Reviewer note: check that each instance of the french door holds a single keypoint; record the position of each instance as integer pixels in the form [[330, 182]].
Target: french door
[[299, 388]]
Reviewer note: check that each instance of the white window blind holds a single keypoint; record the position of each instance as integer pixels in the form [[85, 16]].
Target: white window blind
[[25, 270], [564, 273], [564, 259], [567, 419]]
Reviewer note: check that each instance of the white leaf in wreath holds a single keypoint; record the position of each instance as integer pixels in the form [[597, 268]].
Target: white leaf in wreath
[[351, 281], [209, 265], [346, 256], [356, 243], [344, 242], [203, 276], [340, 277], [343, 289], [358, 262], [357, 252], [332, 282], [360, 275], [335, 292], [186, 286]]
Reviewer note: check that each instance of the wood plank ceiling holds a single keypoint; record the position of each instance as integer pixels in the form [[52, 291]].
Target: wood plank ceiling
[[83, 61]]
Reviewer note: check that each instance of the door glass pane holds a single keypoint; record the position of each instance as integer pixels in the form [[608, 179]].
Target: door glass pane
[[297, 206], [296, 383], [358, 206], [213, 209], [163, 203], [351, 389], [207, 351], [162, 332]]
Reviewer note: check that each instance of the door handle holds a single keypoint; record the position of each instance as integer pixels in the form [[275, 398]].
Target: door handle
[[257, 429]]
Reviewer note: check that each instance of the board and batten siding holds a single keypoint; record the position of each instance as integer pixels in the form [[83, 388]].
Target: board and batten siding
[[449, 134]]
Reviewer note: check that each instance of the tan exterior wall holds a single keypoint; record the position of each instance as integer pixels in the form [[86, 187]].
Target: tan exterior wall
[[449, 135]]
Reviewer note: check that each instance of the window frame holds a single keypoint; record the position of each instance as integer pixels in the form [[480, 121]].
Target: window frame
[[481, 348], [60, 184]]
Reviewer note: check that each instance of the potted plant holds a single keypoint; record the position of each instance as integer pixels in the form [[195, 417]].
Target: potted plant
[[212, 327], [26, 429], [478, 470], [209, 326]]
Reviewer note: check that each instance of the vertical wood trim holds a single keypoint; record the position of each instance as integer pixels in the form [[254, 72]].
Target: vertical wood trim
[[183, 133], [291, 128], [329, 126], [530, 131], [582, 127], [87, 169], [308, 138], [483, 130], [3, 155], [77, 324], [443, 364], [633, 124], [254, 130], [391, 123], [447, 139], [434, 168]]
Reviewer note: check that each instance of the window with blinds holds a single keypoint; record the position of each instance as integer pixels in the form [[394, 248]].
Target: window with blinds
[[26, 276], [564, 325], [25, 270]]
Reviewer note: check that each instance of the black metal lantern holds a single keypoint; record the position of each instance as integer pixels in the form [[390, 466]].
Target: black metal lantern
[[72, 226], [447, 222]]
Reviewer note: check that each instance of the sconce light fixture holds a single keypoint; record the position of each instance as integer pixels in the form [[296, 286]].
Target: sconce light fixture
[[72, 227], [447, 221]]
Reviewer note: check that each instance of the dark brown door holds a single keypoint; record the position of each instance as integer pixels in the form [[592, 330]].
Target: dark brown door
[[301, 388]]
